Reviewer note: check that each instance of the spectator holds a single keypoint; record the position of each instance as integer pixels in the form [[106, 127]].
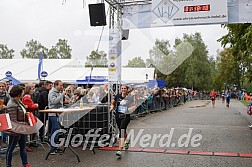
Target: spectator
[[55, 101], [43, 103], [16, 94], [37, 91], [68, 95], [5, 98], [31, 107]]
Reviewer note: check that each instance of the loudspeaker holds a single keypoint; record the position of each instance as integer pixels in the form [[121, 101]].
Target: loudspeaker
[[125, 34], [97, 14]]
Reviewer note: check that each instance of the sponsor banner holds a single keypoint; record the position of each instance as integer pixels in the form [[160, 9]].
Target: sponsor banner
[[114, 58], [187, 12], [96, 78], [175, 13]]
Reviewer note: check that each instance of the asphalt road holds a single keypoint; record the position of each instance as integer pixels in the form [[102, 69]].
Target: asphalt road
[[218, 129]]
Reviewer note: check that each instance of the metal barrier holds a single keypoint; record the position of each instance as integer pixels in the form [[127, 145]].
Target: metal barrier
[[155, 103], [101, 118], [97, 118]]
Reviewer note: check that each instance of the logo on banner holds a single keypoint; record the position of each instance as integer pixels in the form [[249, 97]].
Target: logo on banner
[[112, 57], [165, 10], [44, 74], [112, 65], [8, 74]]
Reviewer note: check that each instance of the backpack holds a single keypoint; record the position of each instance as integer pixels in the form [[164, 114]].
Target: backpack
[[249, 110]]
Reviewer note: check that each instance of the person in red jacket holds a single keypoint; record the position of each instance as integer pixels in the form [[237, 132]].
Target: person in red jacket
[[31, 107], [27, 100]]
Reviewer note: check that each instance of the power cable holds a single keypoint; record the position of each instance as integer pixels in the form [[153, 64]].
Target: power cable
[[102, 32]]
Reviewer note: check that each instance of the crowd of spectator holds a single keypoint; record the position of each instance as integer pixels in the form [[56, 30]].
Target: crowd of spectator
[[40, 96]]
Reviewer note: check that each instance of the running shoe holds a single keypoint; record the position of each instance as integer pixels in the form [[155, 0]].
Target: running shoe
[[119, 153], [126, 145]]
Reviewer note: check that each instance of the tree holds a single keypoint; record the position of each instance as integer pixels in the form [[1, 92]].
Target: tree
[[136, 62], [238, 39], [61, 51], [158, 54], [97, 59], [197, 66], [5, 52], [188, 65], [33, 50], [227, 72]]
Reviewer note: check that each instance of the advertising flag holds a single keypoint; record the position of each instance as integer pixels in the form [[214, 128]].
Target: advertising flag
[[40, 65]]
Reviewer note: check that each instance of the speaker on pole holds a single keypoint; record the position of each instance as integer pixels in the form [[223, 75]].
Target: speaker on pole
[[97, 14]]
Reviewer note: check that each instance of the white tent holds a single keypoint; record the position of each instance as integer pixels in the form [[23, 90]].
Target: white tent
[[67, 70]]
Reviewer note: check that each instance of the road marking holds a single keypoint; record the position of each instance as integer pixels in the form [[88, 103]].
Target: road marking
[[182, 152]]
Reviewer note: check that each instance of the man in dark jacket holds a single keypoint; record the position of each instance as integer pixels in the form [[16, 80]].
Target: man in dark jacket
[[43, 103], [38, 90]]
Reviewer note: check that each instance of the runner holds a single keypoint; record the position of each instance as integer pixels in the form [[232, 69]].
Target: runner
[[223, 96], [228, 96], [124, 104], [213, 97]]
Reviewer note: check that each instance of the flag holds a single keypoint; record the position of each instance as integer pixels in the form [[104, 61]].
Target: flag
[[40, 65]]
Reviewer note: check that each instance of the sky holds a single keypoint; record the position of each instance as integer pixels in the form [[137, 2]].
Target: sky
[[49, 20]]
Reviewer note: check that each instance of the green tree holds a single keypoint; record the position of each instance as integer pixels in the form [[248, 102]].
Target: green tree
[[61, 51], [187, 65], [227, 74], [198, 70], [238, 39], [5, 52], [136, 62], [33, 49], [97, 59], [158, 56]]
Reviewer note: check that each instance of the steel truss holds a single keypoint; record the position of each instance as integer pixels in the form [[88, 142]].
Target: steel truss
[[115, 22]]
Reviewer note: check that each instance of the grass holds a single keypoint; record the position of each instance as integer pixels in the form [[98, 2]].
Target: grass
[[245, 102]]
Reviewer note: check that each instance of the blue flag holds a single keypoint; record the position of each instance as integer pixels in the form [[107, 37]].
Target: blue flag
[[40, 65]]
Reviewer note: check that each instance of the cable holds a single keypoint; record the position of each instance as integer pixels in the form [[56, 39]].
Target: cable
[[102, 32], [100, 39]]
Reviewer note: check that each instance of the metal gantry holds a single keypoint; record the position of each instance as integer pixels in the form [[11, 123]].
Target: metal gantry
[[115, 22], [116, 9]]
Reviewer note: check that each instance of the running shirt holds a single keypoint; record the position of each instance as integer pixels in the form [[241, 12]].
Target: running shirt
[[123, 103], [228, 95], [213, 95]]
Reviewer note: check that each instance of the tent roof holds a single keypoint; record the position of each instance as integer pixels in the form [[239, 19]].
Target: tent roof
[[13, 81], [67, 70]]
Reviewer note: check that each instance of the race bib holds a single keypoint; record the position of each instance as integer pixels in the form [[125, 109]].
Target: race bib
[[123, 109]]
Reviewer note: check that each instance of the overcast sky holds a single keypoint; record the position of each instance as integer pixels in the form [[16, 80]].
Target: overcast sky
[[49, 20]]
